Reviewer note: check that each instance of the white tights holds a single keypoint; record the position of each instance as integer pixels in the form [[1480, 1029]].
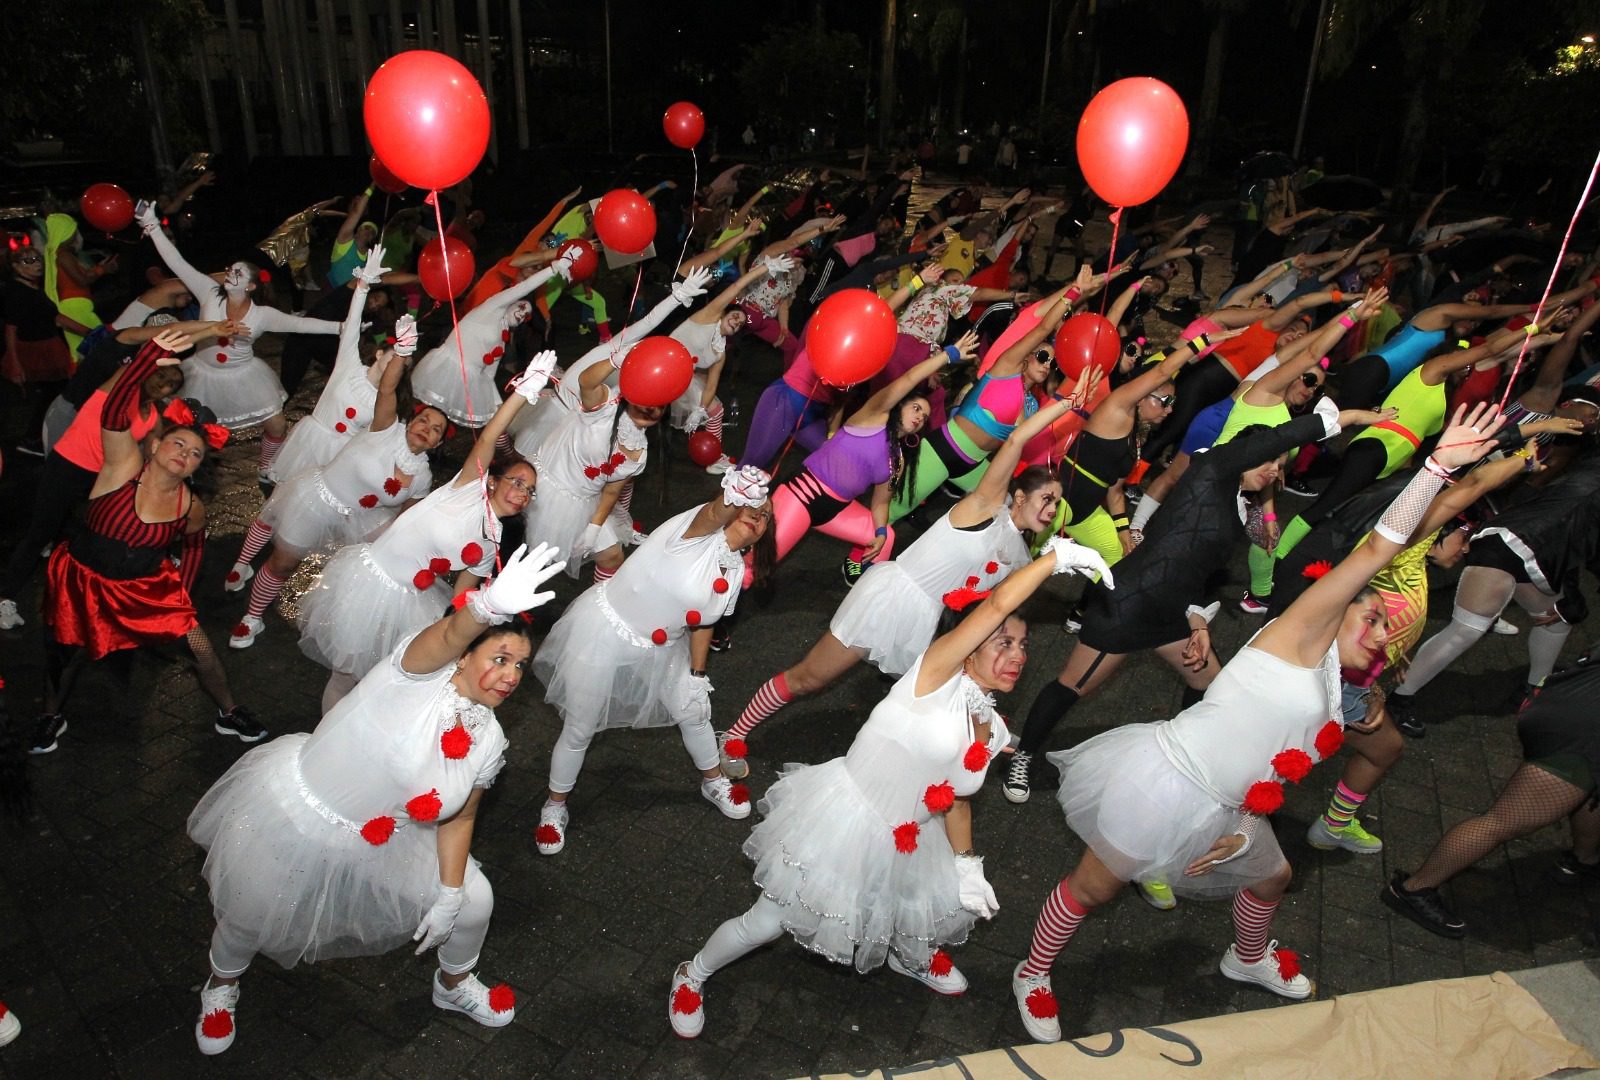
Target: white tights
[[1481, 596], [566, 757], [761, 925]]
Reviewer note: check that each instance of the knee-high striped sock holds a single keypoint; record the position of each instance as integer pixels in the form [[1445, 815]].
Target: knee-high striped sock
[[625, 500], [773, 695], [264, 589], [1342, 808], [1252, 920], [254, 540], [714, 423], [269, 451], [601, 574], [1058, 921]]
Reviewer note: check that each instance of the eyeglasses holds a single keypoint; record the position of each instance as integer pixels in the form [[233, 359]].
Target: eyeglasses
[[521, 485], [1164, 400]]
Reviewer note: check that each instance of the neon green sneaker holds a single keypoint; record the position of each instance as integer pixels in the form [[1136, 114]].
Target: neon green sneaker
[[1351, 837], [1158, 894]]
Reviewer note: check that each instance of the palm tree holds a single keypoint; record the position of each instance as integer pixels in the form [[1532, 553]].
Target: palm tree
[[1205, 128]]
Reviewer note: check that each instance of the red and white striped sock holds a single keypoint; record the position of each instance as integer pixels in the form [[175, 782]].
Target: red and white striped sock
[[264, 589], [773, 695], [714, 423], [601, 574], [625, 500], [502, 444], [269, 451], [255, 540], [1252, 920], [1058, 921]]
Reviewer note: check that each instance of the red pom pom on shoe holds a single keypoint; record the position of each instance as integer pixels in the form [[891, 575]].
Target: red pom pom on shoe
[[423, 580], [425, 807], [440, 567], [735, 748], [719, 586], [391, 486], [685, 999], [939, 797], [905, 837], [991, 567], [1288, 963], [1329, 739], [739, 793], [241, 630], [455, 743], [1042, 1004], [1264, 797], [940, 964], [472, 554], [378, 830], [217, 1024], [1293, 764], [976, 757], [502, 998], [369, 500], [547, 834], [658, 636]]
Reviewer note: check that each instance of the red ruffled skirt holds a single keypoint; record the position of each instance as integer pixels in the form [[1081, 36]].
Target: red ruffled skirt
[[105, 615]]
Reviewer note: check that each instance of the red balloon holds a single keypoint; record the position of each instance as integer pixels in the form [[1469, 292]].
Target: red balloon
[[704, 448], [1087, 339], [587, 260], [445, 268], [850, 337], [384, 178], [656, 372], [625, 221], [106, 206], [1131, 139], [427, 118], [684, 124]]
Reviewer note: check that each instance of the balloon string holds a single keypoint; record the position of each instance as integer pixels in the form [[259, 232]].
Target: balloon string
[[1111, 255], [1551, 284], [694, 206]]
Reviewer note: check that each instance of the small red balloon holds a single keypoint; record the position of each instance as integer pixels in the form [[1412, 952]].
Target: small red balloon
[[106, 206], [625, 221], [427, 118], [850, 337], [586, 260], [1087, 339], [1131, 139], [656, 372], [383, 177], [446, 267], [704, 448], [684, 124]]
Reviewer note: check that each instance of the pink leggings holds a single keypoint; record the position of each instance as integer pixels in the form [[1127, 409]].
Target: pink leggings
[[806, 503], [767, 329]]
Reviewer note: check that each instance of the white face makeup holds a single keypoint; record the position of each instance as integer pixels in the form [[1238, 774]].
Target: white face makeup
[[518, 313], [237, 280]]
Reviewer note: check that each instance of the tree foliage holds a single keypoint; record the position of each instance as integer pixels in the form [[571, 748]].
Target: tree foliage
[[794, 79]]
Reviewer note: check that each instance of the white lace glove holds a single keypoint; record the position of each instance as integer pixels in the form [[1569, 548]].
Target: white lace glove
[[517, 586], [778, 264], [977, 895], [535, 377], [374, 269], [745, 486], [586, 542], [1071, 557], [440, 920], [145, 214], [697, 418], [563, 264], [405, 335], [692, 286]]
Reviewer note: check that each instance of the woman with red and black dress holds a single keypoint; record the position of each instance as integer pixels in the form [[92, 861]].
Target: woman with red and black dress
[[116, 586]]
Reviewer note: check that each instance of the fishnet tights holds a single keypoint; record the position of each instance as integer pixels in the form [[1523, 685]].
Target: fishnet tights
[[1531, 800]]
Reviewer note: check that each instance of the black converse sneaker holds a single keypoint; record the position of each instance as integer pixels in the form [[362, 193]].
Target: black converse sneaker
[[240, 723], [1017, 786], [1425, 907], [45, 732]]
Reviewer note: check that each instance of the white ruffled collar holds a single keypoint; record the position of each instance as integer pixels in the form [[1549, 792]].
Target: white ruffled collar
[[454, 709], [978, 701], [630, 436]]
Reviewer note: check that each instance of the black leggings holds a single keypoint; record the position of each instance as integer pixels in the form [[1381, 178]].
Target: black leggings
[[1362, 383], [1198, 387], [1364, 460], [62, 487]]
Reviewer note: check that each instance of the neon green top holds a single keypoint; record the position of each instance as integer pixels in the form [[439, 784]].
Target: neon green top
[[1243, 415], [1422, 409]]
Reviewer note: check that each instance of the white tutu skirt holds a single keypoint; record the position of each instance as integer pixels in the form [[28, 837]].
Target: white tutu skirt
[[597, 679], [829, 859], [355, 614], [889, 616], [242, 393], [536, 422], [310, 445], [688, 401], [437, 382], [299, 885], [557, 516], [305, 517], [1146, 820]]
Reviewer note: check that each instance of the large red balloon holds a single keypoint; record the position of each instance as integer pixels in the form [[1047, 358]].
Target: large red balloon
[[427, 118], [684, 124], [586, 261], [383, 177], [850, 337], [1131, 139], [625, 221], [106, 206], [1087, 339], [446, 268], [704, 448], [656, 372]]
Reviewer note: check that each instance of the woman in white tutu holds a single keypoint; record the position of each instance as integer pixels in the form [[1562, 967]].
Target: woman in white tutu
[[631, 651], [230, 379], [1184, 800], [890, 615], [852, 860], [356, 838], [485, 332], [372, 595], [352, 498]]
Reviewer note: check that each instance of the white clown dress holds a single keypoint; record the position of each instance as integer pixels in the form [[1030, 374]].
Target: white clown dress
[[707, 345], [832, 849], [351, 498], [287, 860]]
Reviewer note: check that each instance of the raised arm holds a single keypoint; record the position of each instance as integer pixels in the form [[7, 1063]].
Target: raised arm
[[273, 321], [348, 354], [990, 494], [524, 389], [1303, 355], [878, 405], [1545, 393], [1427, 212], [765, 266], [496, 305], [714, 255], [200, 286], [352, 217], [514, 590], [386, 409]]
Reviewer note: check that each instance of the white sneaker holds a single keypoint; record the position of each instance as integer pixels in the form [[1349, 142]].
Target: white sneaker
[[732, 799], [1036, 1003], [10, 1026], [1278, 971], [720, 466], [686, 1010], [491, 1008], [215, 1029], [238, 577], [734, 765], [941, 976], [638, 536], [551, 835], [1506, 629], [10, 619], [244, 635]]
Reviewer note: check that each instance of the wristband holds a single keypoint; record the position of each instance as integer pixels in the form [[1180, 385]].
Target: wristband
[[1072, 295], [1437, 469], [1269, 516], [1199, 343], [1463, 343], [1347, 322], [953, 353], [917, 283], [1531, 329], [1120, 520], [1337, 295], [368, 192], [1288, 264], [881, 530]]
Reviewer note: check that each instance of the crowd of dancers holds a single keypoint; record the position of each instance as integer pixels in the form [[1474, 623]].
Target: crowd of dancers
[[1364, 366]]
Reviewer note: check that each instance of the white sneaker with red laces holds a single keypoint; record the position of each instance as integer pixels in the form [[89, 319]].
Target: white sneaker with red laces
[[10, 1026], [215, 1029], [686, 1010], [1036, 1003], [492, 1007], [1278, 970], [732, 799], [551, 834], [238, 577], [941, 975], [244, 635]]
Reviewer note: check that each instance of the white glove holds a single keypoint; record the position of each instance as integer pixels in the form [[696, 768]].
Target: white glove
[[697, 418], [1328, 413], [778, 264], [374, 269], [535, 376], [586, 542], [563, 264], [405, 335], [1072, 557], [692, 285], [440, 920], [745, 486], [1208, 613], [145, 214], [517, 586], [977, 895]]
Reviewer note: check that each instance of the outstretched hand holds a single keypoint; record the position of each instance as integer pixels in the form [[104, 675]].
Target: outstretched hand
[[1470, 435]]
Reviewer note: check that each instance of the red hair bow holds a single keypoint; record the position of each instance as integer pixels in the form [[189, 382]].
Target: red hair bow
[[216, 435], [963, 598], [178, 412]]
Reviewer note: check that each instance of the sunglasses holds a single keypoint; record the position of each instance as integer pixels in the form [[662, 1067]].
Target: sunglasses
[[1044, 356], [1164, 400], [1309, 379]]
